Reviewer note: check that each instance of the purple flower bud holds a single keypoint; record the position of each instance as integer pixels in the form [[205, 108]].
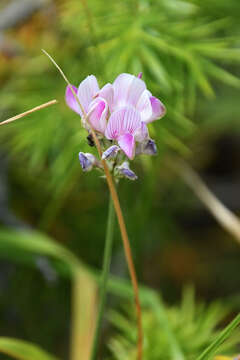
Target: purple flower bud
[[111, 152], [87, 161], [147, 147], [150, 148], [124, 171], [129, 174], [140, 75]]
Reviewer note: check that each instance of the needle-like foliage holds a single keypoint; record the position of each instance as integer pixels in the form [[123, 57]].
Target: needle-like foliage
[[194, 326]]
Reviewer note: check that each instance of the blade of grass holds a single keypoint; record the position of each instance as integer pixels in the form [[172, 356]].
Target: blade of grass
[[223, 336], [84, 286], [228, 220], [23, 350]]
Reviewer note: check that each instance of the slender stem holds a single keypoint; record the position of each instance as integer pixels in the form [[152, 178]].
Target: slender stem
[[226, 218], [105, 274], [126, 245], [128, 254], [119, 214], [14, 118]]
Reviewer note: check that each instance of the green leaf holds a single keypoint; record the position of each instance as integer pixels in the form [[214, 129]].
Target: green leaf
[[200, 77], [221, 74], [83, 295], [174, 143], [223, 336], [23, 350], [156, 68], [37, 243], [160, 311]]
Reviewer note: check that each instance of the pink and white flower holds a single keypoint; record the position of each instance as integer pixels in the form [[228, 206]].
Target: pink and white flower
[[120, 111], [130, 90], [132, 107]]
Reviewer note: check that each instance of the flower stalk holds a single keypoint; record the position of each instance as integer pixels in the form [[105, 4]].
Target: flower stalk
[[121, 222]]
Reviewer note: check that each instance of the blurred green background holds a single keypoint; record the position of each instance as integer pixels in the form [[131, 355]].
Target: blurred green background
[[189, 53]]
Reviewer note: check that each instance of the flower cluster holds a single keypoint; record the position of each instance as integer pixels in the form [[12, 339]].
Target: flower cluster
[[119, 113]]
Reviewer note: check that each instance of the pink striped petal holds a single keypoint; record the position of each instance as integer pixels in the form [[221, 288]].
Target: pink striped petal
[[127, 90], [123, 121], [71, 100], [158, 109], [127, 144], [97, 115], [87, 90]]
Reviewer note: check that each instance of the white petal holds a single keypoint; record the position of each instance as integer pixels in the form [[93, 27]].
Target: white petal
[[144, 106], [127, 90], [87, 90], [107, 93]]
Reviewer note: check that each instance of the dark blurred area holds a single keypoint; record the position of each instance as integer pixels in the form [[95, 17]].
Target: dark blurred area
[[189, 54]]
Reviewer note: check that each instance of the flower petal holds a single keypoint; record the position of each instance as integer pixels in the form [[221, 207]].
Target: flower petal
[[127, 144], [144, 106], [97, 114], [158, 109], [107, 93], [135, 91], [141, 133], [123, 121], [121, 86], [71, 100], [127, 90], [87, 90]]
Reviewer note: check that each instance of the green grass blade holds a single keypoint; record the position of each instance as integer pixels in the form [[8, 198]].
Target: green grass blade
[[83, 295], [159, 308], [224, 335], [37, 243], [22, 350]]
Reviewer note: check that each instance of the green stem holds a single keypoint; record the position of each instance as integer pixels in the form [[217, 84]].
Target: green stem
[[105, 274]]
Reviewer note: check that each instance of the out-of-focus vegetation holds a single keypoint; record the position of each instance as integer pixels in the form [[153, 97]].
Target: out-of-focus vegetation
[[189, 54], [192, 328]]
